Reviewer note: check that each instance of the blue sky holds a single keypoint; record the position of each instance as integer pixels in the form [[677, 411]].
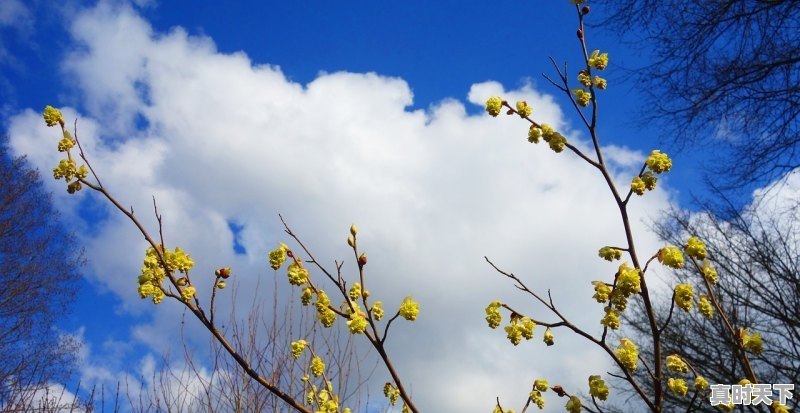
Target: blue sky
[[447, 54]]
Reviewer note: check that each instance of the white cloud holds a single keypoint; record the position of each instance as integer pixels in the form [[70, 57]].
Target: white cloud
[[433, 192]]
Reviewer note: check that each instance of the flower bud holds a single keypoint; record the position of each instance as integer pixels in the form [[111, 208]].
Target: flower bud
[[221, 285], [224, 272], [362, 260], [182, 281], [365, 293], [351, 241], [585, 10], [580, 33], [353, 230]]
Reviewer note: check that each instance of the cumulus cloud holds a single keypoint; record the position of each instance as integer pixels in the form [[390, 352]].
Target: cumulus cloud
[[218, 138]]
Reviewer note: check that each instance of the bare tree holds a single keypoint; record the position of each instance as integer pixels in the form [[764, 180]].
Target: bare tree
[[758, 259], [40, 262], [723, 72]]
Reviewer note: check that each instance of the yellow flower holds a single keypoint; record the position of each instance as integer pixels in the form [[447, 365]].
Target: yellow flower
[[297, 274], [678, 386], [493, 316], [548, 337], [700, 383], [649, 180], [409, 309], [514, 332], [696, 248], [52, 116], [540, 384], [776, 407], [628, 280], [146, 290], [355, 291], [298, 347], [537, 399], [610, 254], [627, 353], [327, 317], [611, 319], [676, 364], [704, 307], [751, 342], [709, 272], [671, 257], [66, 143], [598, 388], [658, 162], [527, 325], [582, 97], [494, 105], [187, 293], [597, 60], [601, 291], [557, 142], [573, 405], [584, 79], [638, 186], [391, 392], [317, 366], [377, 310], [278, 256], [684, 296], [600, 83], [524, 109], [357, 323], [534, 133], [305, 298], [179, 260], [66, 169]]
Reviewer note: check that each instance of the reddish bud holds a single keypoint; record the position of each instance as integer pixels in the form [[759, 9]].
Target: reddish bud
[[362, 260], [559, 390], [585, 10], [289, 254], [223, 272], [580, 34]]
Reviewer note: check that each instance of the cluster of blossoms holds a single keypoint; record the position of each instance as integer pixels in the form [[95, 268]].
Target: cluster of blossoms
[[153, 273], [628, 354], [751, 342], [598, 388], [539, 387], [657, 163], [325, 399], [66, 168], [556, 141], [393, 394], [518, 328]]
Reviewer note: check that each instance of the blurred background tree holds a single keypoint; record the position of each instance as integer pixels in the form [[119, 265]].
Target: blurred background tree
[[40, 264], [723, 74]]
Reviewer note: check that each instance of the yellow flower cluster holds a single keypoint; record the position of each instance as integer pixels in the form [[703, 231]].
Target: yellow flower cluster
[[52, 116], [278, 256], [524, 109], [704, 307], [658, 162], [684, 296], [409, 309], [628, 280], [317, 366], [600, 83], [493, 316], [584, 78], [178, 261], [324, 314], [494, 105], [187, 293], [377, 310], [695, 248], [519, 328], [610, 254], [391, 392], [676, 364], [534, 134], [709, 272], [357, 322], [151, 277], [355, 291], [298, 275], [582, 97], [671, 257], [598, 388], [548, 337], [646, 181], [66, 168], [700, 383], [298, 347], [627, 353], [678, 386], [539, 387], [601, 291], [573, 405], [611, 319], [306, 296], [597, 60], [751, 342]]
